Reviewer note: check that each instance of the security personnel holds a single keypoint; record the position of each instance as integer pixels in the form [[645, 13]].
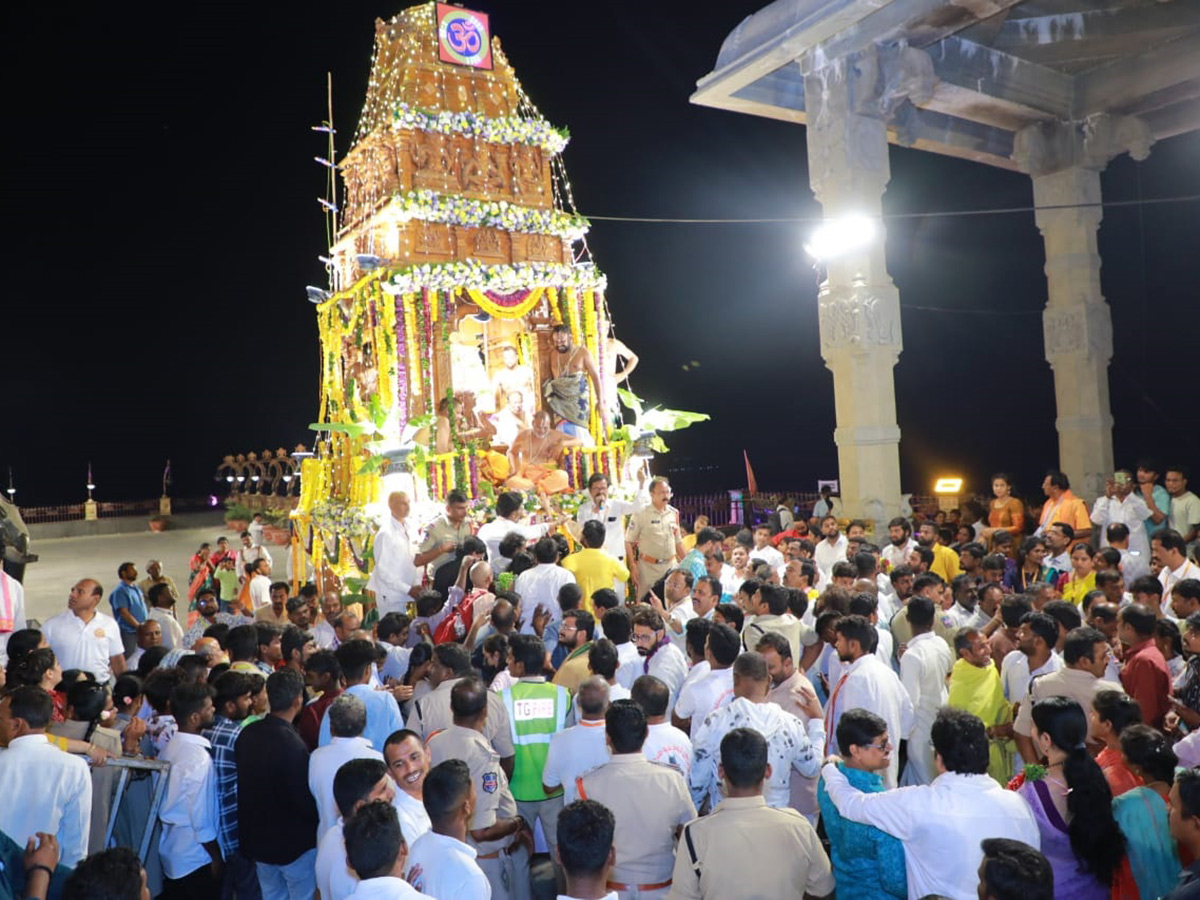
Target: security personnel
[[502, 839], [444, 534], [432, 713], [654, 532], [537, 710], [650, 802], [773, 847]]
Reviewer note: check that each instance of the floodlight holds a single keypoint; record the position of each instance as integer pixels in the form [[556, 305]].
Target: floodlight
[[837, 237]]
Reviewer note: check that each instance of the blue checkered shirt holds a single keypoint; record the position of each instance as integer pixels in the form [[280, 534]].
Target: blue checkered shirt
[[223, 735]]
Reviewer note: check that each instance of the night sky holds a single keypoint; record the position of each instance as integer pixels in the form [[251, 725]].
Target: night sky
[[161, 197]]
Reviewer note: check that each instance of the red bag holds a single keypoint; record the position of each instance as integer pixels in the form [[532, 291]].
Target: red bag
[[454, 628]]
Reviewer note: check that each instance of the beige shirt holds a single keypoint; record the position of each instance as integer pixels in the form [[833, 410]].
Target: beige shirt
[[1076, 684], [744, 848], [803, 790], [493, 799], [655, 532], [441, 530], [432, 713], [649, 801], [267, 614]]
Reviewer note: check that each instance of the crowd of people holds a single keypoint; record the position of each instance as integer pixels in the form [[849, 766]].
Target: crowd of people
[[997, 701]]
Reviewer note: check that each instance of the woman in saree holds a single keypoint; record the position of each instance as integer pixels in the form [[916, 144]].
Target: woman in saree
[[1151, 867]]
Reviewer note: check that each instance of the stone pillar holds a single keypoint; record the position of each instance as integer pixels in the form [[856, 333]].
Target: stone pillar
[[1065, 161], [847, 103]]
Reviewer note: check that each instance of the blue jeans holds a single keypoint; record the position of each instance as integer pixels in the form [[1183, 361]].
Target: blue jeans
[[295, 881]]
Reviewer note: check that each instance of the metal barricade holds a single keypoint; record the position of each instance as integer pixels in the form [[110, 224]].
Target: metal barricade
[[158, 770]]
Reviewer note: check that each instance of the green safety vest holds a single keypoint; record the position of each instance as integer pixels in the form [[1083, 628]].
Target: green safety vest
[[537, 710]]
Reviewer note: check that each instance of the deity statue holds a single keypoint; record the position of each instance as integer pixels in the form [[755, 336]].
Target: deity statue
[[513, 378]]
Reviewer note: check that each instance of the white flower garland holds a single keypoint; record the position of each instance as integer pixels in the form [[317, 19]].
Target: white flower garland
[[499, 279], [502, 130], [454, 209]]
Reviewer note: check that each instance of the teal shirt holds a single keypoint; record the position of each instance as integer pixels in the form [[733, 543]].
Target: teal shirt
[[12, 872], [694, 563], [868, 864], [1163, 501]]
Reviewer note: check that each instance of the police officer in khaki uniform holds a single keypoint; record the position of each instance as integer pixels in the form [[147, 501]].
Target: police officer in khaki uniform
[[445, 534], [503, 840], [654, 532], [649, 800], [744, 848], [432, 713]]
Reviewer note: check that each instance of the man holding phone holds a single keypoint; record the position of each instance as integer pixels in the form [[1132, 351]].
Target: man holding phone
[[1122, 504]]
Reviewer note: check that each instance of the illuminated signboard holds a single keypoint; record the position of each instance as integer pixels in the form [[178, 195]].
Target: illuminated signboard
[[463, 37]]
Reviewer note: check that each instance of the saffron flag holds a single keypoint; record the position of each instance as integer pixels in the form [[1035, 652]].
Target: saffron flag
[[751, 481]]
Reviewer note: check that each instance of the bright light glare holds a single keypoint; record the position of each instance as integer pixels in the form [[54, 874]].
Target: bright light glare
[[948, 486], [838, 237]]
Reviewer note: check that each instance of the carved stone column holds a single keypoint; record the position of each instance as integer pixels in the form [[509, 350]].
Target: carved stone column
[[1065, 161], [847, 102]]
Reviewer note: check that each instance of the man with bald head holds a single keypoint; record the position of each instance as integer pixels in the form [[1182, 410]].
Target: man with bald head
[[581, 747], [84, 638], [395, 577], [209, 649], [149, 634]]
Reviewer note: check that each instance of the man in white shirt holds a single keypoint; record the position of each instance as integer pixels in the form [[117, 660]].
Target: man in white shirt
[[191, 856], [677, 609], [441, 862], [376, 851], [250, 553], [260, 585], [1034, 656], [356, 783], [43, 788], [347, 719], [82, 637], [867, 682], [762, 548], [664, 743], [1170, 551], [539, 586], [923, 670], [509, 510], [161, 603], [657, 656], [831, 548], [581, 747], [900, 543], [1121, 503], [700, 697], [395, 578], [942, 824], [408, 765], [611, 512], [618, 627]]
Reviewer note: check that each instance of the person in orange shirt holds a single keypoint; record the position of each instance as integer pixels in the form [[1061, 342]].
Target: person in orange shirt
[[1112, 712], [1063, 506], [1006, 512]]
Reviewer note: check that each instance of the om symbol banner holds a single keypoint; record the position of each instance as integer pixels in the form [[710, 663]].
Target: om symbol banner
[[463, 37]]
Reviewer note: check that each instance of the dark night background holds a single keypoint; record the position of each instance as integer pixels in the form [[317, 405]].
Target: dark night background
[[160, 193]]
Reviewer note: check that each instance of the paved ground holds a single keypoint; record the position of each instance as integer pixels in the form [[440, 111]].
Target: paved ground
[[64, 561]]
